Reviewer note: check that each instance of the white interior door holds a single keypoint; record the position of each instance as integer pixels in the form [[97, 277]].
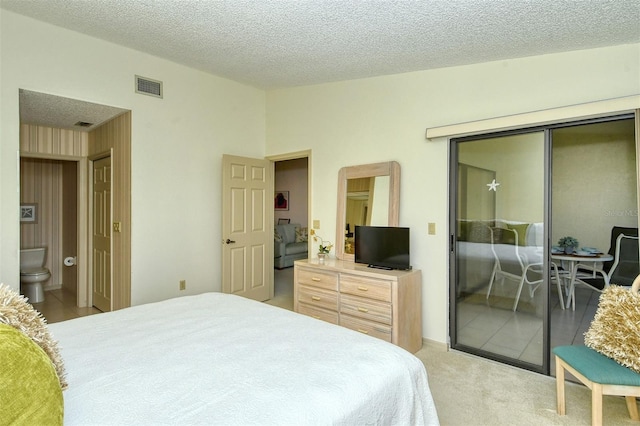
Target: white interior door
[[247, 227], [101, 277]]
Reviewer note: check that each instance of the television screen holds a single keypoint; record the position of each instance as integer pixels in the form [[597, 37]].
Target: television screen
[[384, 247]]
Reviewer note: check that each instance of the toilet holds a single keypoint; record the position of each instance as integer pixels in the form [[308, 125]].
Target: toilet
[[33, 273]]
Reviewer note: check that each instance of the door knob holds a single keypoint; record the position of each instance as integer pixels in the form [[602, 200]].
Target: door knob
[[228, 241]]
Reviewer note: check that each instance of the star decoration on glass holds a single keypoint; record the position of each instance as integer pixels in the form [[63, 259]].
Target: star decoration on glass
[[493, 186]]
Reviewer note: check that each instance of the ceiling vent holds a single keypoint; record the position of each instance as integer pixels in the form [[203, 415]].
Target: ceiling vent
[[147, 86], [83, 124]]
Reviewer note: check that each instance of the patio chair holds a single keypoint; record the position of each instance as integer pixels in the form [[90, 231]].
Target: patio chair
[[509, 264], [622, 270]]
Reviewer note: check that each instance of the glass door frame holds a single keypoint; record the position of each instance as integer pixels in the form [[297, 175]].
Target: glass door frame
[[453, 199], [453, 278]]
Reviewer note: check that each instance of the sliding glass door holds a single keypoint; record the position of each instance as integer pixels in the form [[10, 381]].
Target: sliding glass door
[[499, 298], [513, 196]]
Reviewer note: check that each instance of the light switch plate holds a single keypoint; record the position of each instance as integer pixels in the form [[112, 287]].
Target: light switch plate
[[316, 224], [432, 228]]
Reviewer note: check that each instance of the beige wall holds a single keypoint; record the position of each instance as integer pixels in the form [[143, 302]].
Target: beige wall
[[177, 146], [519, 170], [594, 182], [384, 118]]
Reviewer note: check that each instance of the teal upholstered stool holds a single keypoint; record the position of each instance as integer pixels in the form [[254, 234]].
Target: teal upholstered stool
[[599, 373]]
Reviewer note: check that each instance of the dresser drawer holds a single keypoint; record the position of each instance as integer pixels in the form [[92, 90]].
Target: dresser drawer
[[318, 297], [318, 313], [366, 309], [315, 278], [367, 327], [365, 287]]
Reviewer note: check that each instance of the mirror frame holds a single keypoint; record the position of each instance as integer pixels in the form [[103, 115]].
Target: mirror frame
[[391, 169]]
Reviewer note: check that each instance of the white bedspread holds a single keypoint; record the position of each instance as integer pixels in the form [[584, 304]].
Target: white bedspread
[[222, 359]]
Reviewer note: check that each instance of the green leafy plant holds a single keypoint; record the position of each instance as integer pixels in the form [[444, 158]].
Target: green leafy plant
[[325, 246], [568, 242]]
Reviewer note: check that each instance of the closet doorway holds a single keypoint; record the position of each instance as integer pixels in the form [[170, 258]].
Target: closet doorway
[[513, 195]]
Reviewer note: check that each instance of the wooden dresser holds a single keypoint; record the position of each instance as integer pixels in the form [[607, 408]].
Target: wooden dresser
[[380, 303]]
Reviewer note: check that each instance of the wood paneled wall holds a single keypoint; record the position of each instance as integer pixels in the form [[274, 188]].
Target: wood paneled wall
[[43, 181], [46, 145], [70, 246], [53, 142], [114, 138]]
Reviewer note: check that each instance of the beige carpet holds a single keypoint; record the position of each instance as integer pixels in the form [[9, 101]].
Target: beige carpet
[[470, 390], [283, 288]]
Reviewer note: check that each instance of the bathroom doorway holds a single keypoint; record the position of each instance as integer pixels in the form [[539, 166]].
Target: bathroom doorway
[[52, 187], [65, 130]]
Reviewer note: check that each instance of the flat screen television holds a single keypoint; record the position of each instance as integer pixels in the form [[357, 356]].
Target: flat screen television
[[385, 247]]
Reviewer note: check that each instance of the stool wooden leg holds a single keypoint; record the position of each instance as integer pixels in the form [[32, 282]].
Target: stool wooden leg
[[560, 386], [596, 404], [632, 407]]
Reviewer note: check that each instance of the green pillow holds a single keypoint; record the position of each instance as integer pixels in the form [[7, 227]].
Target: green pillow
[[479, 232], [463, 230], [30, 391], [521, 229], [17, 312], [503, 236]]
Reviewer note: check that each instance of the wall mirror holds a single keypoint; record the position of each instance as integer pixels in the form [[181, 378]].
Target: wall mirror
[[368, 194]]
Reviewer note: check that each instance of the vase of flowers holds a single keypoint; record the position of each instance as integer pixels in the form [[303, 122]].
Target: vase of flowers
[[324, 248], [569, 244]]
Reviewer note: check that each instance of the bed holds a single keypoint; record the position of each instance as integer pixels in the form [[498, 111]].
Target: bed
[[222, 359]]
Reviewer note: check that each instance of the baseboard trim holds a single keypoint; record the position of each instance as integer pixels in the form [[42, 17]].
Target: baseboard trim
[[433, 344]]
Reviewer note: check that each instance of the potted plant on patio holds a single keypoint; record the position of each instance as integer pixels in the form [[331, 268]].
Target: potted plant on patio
[[569, 244]]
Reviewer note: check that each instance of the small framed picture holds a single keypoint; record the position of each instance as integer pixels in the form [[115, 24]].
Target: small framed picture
[[281, 200], [29, 213]]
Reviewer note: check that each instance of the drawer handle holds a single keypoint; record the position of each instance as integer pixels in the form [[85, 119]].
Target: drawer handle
[[316, 298], [363, 288], [365, 310], [315, 279], [363, 331]]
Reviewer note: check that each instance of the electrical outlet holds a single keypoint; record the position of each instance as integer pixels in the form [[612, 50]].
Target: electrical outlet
[[183, 284], [116, 226]]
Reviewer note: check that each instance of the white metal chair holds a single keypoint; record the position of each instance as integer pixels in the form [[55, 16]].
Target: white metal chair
[[621, 271], [560, 276], [510, 264]]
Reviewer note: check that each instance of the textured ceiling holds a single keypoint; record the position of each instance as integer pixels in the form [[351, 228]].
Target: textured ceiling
[[64, 113], [283, 43]]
